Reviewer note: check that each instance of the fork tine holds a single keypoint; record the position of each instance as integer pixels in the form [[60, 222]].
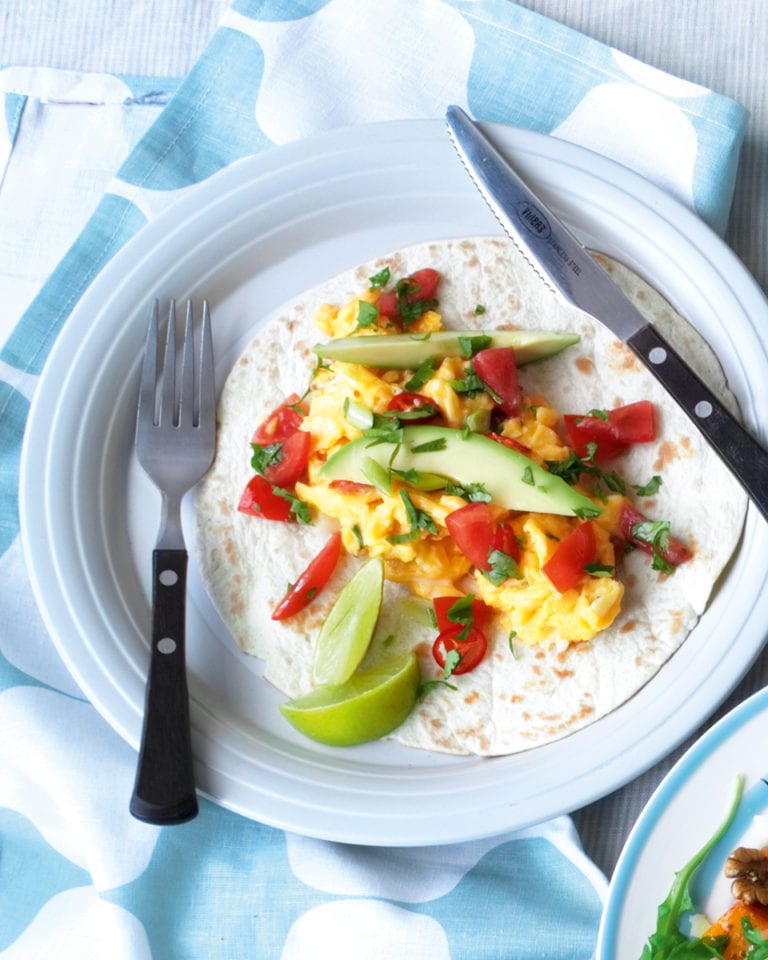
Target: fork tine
[[207, 390], [168, 408], [187, 399], [149, 369]]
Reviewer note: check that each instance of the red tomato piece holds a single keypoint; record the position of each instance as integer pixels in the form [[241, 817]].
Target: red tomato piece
[[294, 454], [471, 650], [282, 422], [311, 581], [422, 285], [481, 612], [581, 431], [412, 403], [676, 551], [565, 568], [632, 423], [496, 366], [511, 443], [505, 540], [472, 529], [260, 500]]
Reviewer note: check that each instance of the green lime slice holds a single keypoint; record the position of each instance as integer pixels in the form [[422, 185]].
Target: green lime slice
[[371, 704], [346, 633]]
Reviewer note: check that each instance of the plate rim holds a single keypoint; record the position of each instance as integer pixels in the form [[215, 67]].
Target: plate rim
[[261, 164]]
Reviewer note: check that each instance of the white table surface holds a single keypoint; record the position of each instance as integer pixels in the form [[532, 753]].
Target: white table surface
[[720, 44]]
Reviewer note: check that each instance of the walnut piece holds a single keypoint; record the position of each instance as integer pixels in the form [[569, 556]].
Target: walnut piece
[[748, 868]]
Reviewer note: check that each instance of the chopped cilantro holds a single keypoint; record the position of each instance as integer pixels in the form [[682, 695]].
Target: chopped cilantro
[[470, 385], [471, 345], [425, 688], [648, 489], [409, 307], [473, 492], [367, 314], [598, 570], [299, 510], [380, 279], [527, 477], [266, 456], [358, 535], [587, 513], [430, 446], [452, 660], [600, 414], [479, 309], [421, 374], [574, 466], [503, 567], [512, 635], [418, 520], [462, 612], [655, 532]]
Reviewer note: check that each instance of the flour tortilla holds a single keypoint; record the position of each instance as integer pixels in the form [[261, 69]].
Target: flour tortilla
[[509, 703]]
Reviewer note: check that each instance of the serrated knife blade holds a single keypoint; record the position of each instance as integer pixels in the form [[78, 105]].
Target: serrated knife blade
[[569, 270]]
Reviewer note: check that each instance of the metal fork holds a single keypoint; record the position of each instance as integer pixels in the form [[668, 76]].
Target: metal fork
[[175, 440]]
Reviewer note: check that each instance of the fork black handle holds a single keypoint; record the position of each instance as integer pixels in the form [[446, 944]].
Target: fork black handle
[[164, 791]]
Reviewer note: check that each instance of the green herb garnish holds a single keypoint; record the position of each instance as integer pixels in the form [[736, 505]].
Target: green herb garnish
[[367, 314], [418, 520], [430, 445], [421, 374], [472, 493], [656, 533], [598, 570], [648, 489], [299, 510], [503, 567], [266, 456], [470, 345], [380, 279]]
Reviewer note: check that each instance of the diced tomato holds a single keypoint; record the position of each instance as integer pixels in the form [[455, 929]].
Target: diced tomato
[[282, 422], [294, 454], [350, 486], [311, 581], [481, 612], [511, 443], [634, 422], [472, 529], [496, 366], [581, 431], [422, 285], [627, 425], [471, 649], [412, 404], [565, 568], [505, 540], [260, 500], [676, 551]]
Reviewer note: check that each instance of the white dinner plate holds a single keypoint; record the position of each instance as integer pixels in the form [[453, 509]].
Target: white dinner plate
[[250, 239], [683, 813]]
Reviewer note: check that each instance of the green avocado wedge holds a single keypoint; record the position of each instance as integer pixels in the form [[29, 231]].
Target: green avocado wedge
[[511, 479], [407, 351]]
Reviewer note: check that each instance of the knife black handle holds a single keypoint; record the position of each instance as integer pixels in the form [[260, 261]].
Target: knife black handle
[[746, 458], [164, 791]]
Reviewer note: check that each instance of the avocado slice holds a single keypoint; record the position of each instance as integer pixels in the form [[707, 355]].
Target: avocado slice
[[512, 479], [407, 351]]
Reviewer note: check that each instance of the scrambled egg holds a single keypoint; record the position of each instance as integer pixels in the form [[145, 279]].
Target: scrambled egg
[[432, 565]]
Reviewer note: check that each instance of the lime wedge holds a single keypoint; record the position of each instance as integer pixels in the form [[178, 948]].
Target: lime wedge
[[346, 633], [371, 704]]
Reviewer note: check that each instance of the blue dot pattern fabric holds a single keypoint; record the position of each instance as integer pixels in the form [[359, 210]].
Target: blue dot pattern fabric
[[79, 876]]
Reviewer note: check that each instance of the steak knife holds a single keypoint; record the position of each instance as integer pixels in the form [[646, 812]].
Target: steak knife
[[572, 274]]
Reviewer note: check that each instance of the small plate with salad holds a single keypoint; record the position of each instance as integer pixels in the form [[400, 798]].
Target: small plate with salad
[[693, 874]]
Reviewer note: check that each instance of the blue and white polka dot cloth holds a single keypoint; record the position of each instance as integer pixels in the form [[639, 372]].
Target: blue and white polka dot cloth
[[78, 877]]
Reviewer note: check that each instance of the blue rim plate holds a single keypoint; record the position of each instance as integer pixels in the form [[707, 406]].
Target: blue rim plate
[[683, 813]]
